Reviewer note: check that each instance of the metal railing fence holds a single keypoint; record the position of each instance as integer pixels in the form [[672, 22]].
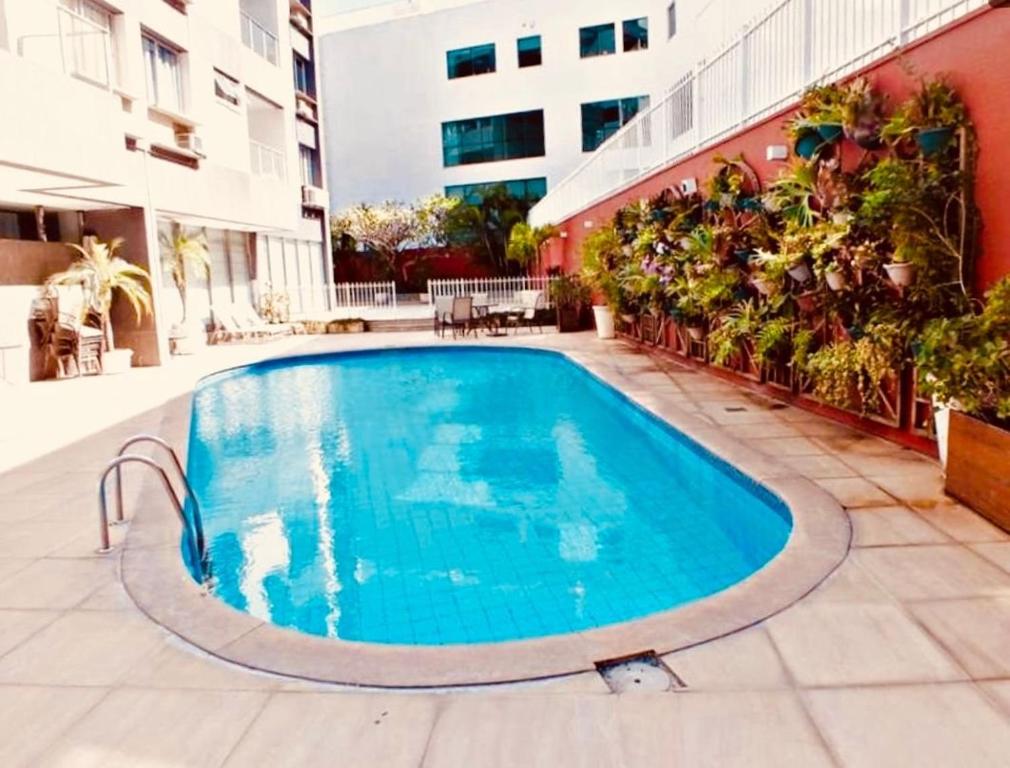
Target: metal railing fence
[[794, 45]]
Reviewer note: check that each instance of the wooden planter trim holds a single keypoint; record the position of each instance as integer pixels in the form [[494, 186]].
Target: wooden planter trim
[[978, 467]]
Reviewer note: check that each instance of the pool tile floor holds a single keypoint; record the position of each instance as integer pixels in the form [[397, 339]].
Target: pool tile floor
[[900, 657]]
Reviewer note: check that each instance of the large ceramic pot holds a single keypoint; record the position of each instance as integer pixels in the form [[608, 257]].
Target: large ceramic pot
[[604, 321]]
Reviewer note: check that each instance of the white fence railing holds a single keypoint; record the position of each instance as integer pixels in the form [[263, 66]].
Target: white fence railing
[[499, 290], [363, 295], [258, 38], [768, 65]]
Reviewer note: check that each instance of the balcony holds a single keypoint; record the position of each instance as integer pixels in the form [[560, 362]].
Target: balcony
[[259, 39], [301, 16]]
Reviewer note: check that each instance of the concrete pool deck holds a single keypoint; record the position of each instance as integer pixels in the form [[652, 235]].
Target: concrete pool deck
[[902, 656]]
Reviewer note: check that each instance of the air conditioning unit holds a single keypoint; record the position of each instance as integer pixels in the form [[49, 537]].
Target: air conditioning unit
[[306, 110], [191, 142], [314, 197]]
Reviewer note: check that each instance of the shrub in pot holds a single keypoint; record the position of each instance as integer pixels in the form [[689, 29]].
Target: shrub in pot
[[570, 296], [603, 256]]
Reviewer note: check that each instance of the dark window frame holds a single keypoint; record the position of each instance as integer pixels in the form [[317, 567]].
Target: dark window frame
[[534, 189], [637, 38], [531, 56], [671, 20], [596, 132], [493, 138], [593, 40], [471, 61]]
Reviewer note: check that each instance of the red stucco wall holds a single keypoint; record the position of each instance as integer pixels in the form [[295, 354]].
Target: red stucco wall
[[974, 53]]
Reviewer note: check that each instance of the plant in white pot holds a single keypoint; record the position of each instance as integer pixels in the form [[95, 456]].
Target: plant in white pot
[[102, 273], [183, 250], [602, 259]]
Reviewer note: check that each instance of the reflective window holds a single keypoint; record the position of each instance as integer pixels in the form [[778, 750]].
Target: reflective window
[[597, 41], [602, 119], [164, 80], [636, 34], [465, 62], [530, 54], [529, 190], [487, 139]]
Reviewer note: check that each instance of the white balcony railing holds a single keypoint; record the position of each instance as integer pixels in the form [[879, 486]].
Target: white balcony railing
[[499, 290], [258, 38], [768, 65], [266, 161]]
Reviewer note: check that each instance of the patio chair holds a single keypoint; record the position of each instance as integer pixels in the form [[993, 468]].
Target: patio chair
[[225, 328], [529, 303], [462, 315], [250, 320], [443, 314]]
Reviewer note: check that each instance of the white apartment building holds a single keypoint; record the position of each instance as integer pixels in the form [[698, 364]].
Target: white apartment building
[[428, 96], [123, 116]]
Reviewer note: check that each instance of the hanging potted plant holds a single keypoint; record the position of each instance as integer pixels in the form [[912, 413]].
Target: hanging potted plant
[[932, 115], [102, 273], [835, 277], [819, 121], [182, 251], [863, 114], [901, 270]]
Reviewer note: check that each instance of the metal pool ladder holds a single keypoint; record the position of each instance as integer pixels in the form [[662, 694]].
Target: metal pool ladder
[[191, 525]]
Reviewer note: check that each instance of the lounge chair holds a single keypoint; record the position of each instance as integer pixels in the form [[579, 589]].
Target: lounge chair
[[226, 328], [526, 313], [248, 319]]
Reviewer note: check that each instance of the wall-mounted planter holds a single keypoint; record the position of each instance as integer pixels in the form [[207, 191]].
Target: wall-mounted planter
[[800, 272], [830, 132], [837, 281], [932, 141], [762, 285], [902, 274], [806, 146], [978, 467]]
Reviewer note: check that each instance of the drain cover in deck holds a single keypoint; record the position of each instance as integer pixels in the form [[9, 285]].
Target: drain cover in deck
[[643, 673]]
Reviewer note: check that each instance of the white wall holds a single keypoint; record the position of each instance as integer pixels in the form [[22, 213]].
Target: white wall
[[386, 91]]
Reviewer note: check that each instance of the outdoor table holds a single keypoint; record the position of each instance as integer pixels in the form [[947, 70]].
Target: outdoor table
[[491, 315]]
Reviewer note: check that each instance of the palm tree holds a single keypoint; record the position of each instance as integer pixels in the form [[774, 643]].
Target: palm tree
[[100, 271], [185, 249]]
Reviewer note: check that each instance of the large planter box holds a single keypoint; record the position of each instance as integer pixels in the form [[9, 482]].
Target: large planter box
[[978, 467]]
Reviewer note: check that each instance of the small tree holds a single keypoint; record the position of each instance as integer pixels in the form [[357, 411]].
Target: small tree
[[100, 272], [184, 249], [526, 244]]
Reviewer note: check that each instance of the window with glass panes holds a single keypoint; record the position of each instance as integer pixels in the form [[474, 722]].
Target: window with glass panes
[[530, 51], [602, 119], [305, 80], [164, 79], [466, 62], [597, 41], [528, 190], [671, 19], [86, 42], [636, 34], [498, 137]]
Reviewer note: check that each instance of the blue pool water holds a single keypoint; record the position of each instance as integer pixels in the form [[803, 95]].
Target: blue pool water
[[460, 495]]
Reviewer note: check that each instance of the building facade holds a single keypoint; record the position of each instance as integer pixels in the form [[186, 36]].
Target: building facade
[[126, 117], [447, 96]]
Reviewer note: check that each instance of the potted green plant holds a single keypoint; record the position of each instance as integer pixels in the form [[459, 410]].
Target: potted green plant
[[932, 115], [819, 120], [863, 114], [183, 250], [835, 277], [602, 257], [570, 296], [102, 273], [902, 270], [963, 364]]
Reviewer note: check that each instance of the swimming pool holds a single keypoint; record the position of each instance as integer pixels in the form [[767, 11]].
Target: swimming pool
[[460, 495]]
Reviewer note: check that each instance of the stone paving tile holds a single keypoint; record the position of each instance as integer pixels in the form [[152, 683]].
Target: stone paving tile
[[18, 626], [998, 553], [962, 524], [306, 729], [819, 467], [717, 730], [787, 446], [82, 648], [54, 583], [999, 692], [742, 661], [34, 539], [11, 565], [32, 717], [932, 572], [939, 725], [901, 461], [855, 492], [173, 664], [848, 584], [133, 728], [976, 632], [917, 489], [879, 526], [763, 431], [857, 644], [526, 732]]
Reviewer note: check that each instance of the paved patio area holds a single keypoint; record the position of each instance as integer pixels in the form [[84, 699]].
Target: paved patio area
[[901, 657]]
